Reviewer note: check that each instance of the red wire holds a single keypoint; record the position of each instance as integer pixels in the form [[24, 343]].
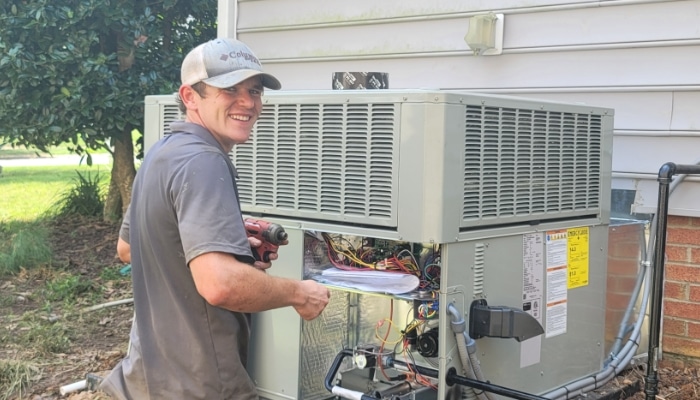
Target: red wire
[[381, 348]]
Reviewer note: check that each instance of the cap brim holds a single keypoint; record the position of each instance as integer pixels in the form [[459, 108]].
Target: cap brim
[[235, 77]]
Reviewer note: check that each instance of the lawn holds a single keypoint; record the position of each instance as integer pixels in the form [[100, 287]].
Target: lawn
[[6, 151], [28, 192]]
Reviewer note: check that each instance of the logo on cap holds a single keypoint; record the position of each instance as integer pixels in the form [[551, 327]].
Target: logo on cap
[[239, 54]]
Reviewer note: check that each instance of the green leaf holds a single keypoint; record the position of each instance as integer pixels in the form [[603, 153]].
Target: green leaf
[[59, 69]]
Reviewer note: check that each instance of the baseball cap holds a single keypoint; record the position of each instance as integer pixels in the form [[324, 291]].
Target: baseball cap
[[223, 63]]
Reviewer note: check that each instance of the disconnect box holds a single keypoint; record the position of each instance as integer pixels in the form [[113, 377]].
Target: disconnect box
[[462, 234]]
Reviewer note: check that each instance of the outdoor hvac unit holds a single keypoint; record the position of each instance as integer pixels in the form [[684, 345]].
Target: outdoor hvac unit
[[507, 199]]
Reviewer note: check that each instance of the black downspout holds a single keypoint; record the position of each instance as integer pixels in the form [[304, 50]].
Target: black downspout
[[666, 173]]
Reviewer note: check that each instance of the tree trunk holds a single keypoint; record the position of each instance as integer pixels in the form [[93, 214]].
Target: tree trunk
[[123, 173]]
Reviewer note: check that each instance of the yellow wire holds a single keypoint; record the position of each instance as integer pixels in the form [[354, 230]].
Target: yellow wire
[[391, 325], [349, 255]]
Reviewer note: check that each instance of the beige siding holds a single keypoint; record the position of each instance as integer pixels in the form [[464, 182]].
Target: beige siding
[[639, 57]]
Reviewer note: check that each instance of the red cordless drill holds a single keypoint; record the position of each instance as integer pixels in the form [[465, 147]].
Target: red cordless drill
[[272, 235]]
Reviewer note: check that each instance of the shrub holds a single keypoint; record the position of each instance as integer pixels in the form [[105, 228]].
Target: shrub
[[84, 198]]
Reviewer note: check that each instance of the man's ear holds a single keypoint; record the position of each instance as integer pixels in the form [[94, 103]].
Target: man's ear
[[189, 97]]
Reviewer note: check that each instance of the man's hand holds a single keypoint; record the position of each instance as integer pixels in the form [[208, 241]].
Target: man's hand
[[316, 299], [261, 265]]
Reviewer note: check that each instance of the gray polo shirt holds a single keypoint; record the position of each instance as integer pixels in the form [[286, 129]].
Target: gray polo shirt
[[184, 204]]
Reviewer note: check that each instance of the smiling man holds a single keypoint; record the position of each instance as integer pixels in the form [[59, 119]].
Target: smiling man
[[195, 280]]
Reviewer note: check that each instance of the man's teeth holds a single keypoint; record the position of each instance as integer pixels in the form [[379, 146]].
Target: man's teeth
[[241, 117]]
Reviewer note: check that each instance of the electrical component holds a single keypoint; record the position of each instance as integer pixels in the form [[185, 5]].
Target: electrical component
[[427, 343], [365, 356]]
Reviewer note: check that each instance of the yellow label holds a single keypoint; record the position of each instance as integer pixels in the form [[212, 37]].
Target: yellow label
[[577, 257]]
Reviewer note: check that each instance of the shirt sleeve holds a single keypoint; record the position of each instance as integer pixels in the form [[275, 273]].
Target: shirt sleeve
[[207, 208], [124, 230]]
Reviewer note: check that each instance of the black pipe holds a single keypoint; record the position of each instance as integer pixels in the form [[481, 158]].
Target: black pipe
[[451, 378], [335, 366], [666, 173], [333, 370]]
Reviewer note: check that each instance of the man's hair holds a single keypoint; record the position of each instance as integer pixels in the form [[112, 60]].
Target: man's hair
[[199, 87]]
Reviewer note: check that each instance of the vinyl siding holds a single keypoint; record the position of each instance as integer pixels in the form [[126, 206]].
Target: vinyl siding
[[639, 57]]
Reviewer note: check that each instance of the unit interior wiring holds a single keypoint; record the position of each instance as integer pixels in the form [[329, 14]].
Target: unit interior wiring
[[354, 253], [403, 342]]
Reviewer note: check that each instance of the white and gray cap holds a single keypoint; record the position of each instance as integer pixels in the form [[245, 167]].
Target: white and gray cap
[[223, 63]]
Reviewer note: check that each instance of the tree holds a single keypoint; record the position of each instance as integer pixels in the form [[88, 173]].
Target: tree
[[77, 71]]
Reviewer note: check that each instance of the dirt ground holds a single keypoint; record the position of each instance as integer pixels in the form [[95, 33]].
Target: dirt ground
[[99, 338]]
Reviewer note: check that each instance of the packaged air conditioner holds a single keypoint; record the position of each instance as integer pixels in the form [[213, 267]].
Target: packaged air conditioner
[[498, 201]]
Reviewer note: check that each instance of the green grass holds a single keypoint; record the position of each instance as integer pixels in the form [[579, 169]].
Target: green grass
[[15, 376], [6, 151], [27, 193], [23, 244]]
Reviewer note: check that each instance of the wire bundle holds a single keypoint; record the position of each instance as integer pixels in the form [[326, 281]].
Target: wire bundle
[[406, 346], [342, 254]]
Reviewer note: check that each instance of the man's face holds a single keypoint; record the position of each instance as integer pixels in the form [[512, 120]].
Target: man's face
[[229, 114]]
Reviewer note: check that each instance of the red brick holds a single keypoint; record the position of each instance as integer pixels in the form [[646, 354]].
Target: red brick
[[694, 293], [682, 273], [676, 290], [693, 330], [677, 345], [627, 267], [677, 253], [616, 301], [676, 220], [683, 236], [626, 231], [621, 284], [682, 309], [624, 249], [613, 317], [695, 221], [674, 326], [694, 255]]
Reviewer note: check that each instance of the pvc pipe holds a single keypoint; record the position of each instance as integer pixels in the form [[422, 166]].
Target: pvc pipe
[[109, 304], [73, 387]]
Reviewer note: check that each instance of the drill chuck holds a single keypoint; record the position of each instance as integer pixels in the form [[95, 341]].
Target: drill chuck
[[274, 234]]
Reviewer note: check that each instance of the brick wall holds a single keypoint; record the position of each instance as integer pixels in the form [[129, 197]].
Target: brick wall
[[624, 256], [681, 325]]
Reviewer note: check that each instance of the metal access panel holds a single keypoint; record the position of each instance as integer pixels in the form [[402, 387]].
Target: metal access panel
[[424, 166], [504, 272]]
